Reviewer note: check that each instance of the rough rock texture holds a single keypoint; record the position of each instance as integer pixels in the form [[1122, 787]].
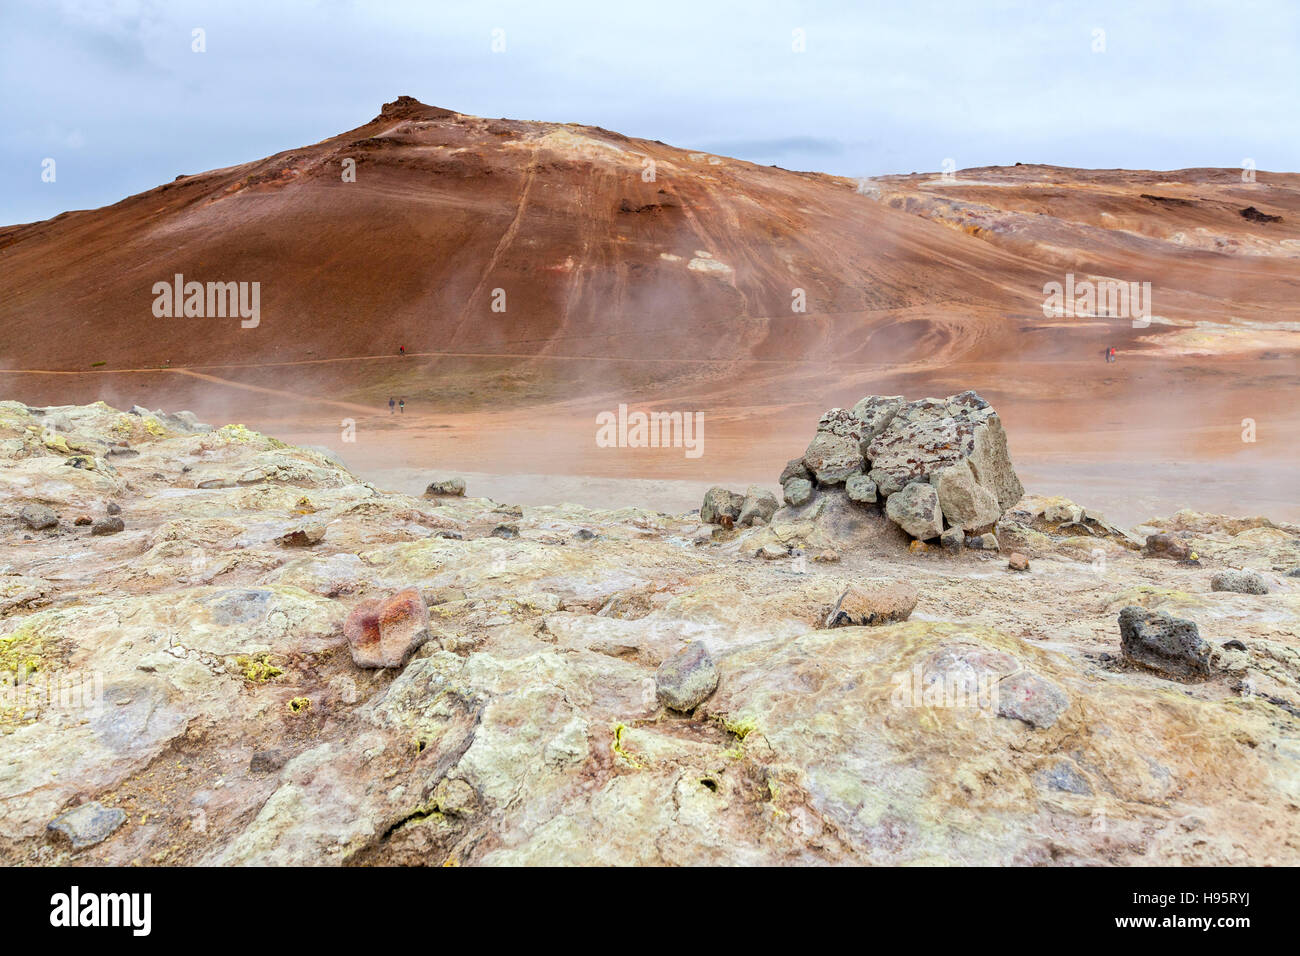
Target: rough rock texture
[[385, 632], [794, 468], [107, 525], [797, 491], [953, 539], [719, 503], [1163, 545], [832, 458], [871, 603], [915, 509], [528, 728], [88, 824], [443, 487], [965, 503], [684, 680], [860, 488], [926, 436], [1028, 697], [884, 444], [38, 517], [1170, 645], [759, 503], [1242, 582]]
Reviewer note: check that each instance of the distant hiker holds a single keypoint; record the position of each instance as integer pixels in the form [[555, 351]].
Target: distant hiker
[[1110, 354], [401, 350], [402, 406], [391, 405]]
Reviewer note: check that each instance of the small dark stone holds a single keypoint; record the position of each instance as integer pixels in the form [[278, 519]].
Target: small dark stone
[[1234, 645], [114, 508], [1170, 645], [585, 534], [110, 525], [268, 761], [505, 531]]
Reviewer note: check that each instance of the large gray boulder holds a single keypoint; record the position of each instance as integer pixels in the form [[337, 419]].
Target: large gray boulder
[[884, 444]]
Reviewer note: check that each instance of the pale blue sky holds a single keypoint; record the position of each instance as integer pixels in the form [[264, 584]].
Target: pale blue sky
[[111, 90]]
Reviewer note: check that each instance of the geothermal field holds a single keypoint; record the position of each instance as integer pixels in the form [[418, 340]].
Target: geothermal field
[[487, 492]]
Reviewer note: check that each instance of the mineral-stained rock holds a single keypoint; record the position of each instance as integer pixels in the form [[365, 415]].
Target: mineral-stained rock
[[108, 525], [1243, 582], [385, 632], [797, 491], [719, 501], [684, 680], [88, 824], [38, 517], [1170, 645], [1165, 545], [876, 412], [833, 458], [915, 509], [445, 488], [870, 603], [966, 504], [759, 503], [926, 436], [1028, 697], [1017, 562], [860, 488]]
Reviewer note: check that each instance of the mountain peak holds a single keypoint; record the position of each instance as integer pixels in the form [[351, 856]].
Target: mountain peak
[[408, 106]]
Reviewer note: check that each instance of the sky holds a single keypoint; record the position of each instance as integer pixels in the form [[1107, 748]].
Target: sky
[[114, 92]]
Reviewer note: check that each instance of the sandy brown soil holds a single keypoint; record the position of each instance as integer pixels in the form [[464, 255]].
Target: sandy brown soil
[[676, 295]]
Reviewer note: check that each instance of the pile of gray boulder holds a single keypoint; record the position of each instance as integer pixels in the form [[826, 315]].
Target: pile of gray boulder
[[937, 467]]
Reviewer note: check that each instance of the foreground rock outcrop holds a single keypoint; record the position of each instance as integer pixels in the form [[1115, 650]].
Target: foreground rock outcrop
[[932, 466], [612, 686]]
